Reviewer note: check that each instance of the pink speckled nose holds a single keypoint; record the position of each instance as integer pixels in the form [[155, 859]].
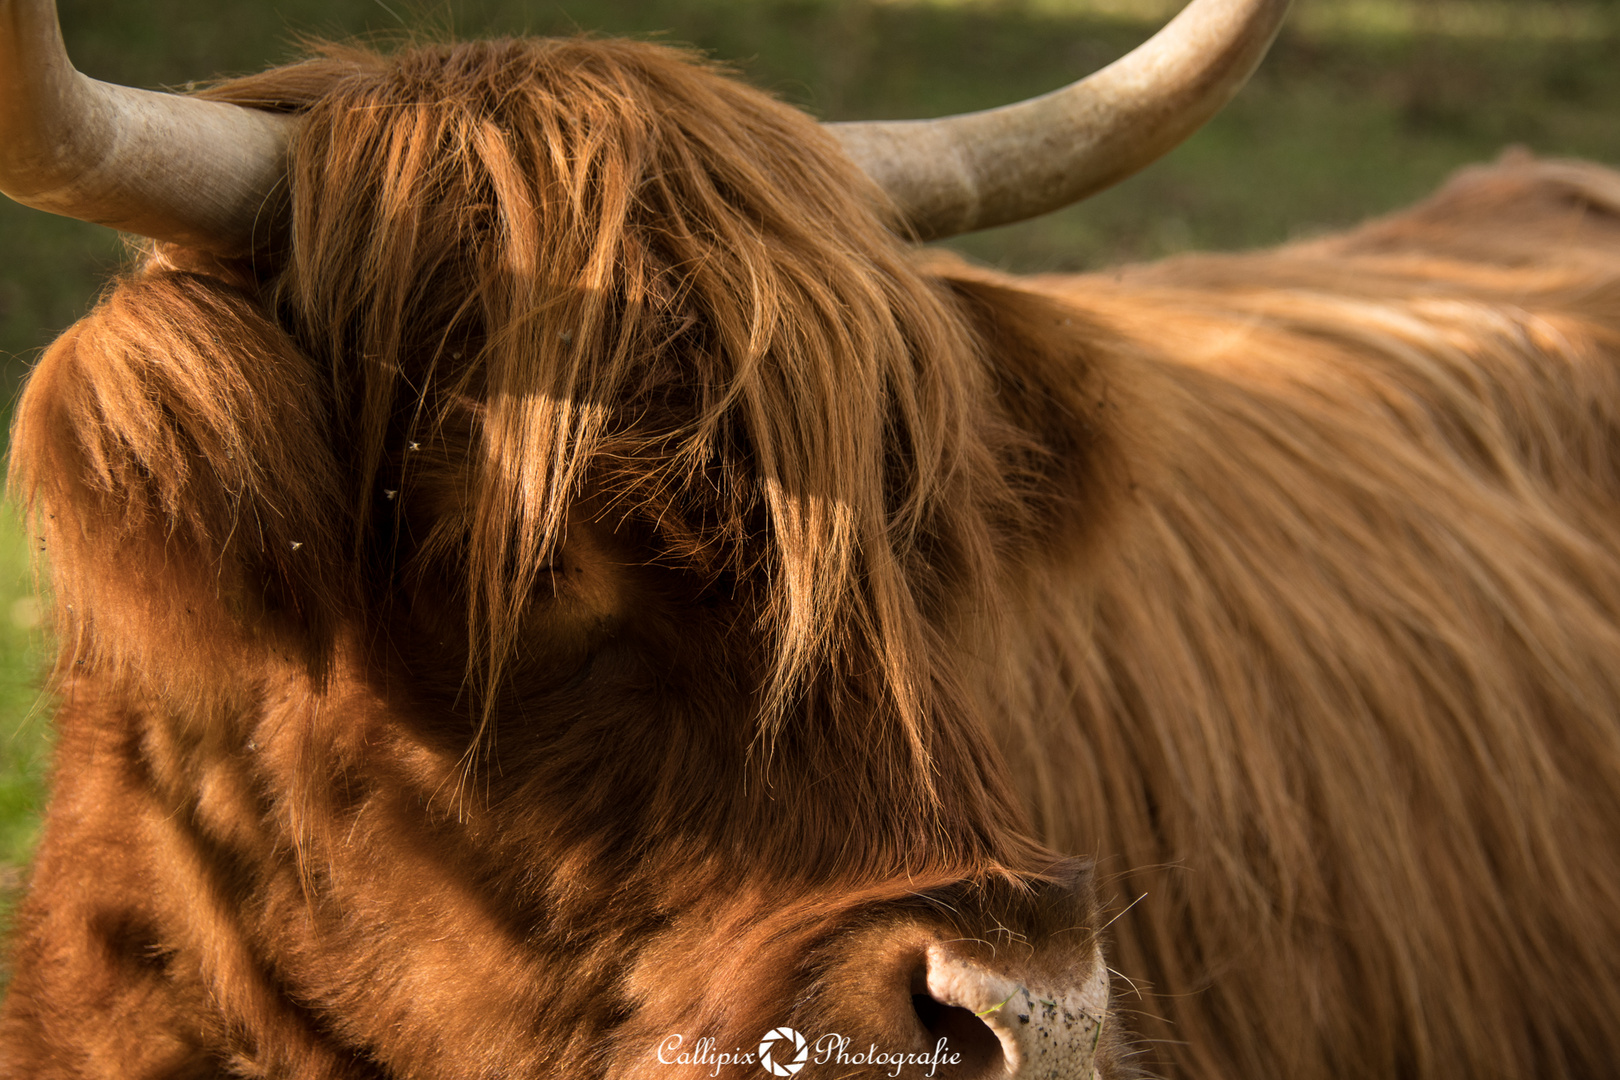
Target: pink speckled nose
[[1012, 1024]]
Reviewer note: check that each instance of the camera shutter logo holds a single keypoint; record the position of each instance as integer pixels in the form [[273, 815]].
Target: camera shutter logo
[[795, 1051]]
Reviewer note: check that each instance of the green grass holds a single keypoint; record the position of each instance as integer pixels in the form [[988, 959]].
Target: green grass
[[1364, 105], [24, 727]]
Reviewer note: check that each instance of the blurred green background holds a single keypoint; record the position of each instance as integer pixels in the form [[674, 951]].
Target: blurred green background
[[1362, 106]]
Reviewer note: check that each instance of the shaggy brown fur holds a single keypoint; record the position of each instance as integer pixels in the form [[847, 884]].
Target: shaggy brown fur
[[597, 583], [1347, 686]]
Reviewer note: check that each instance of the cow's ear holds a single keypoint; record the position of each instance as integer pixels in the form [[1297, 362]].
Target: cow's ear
[[172, 449], [1069, 396]]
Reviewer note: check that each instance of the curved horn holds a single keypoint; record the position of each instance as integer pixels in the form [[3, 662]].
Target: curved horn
[[976, 170], [161, 165]]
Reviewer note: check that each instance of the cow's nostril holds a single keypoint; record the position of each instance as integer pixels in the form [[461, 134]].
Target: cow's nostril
[[927, 1010], [955, 1030]]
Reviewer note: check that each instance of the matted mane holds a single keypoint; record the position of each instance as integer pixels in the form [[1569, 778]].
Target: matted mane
[[623, 261], [531, 272]]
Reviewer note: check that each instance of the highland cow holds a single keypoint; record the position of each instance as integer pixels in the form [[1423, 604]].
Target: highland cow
[[550, 581]]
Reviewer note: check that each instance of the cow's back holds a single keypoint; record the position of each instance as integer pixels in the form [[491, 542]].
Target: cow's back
[[1348, 688]]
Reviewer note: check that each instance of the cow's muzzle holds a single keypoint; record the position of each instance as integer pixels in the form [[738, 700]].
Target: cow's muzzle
[[1007, 1021]]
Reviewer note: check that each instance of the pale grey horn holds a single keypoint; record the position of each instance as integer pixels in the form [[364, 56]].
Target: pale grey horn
[[977, 170], [160, 165]]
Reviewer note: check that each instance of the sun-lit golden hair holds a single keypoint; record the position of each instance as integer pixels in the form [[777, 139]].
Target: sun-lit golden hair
[[621, 259], [610, 271]]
